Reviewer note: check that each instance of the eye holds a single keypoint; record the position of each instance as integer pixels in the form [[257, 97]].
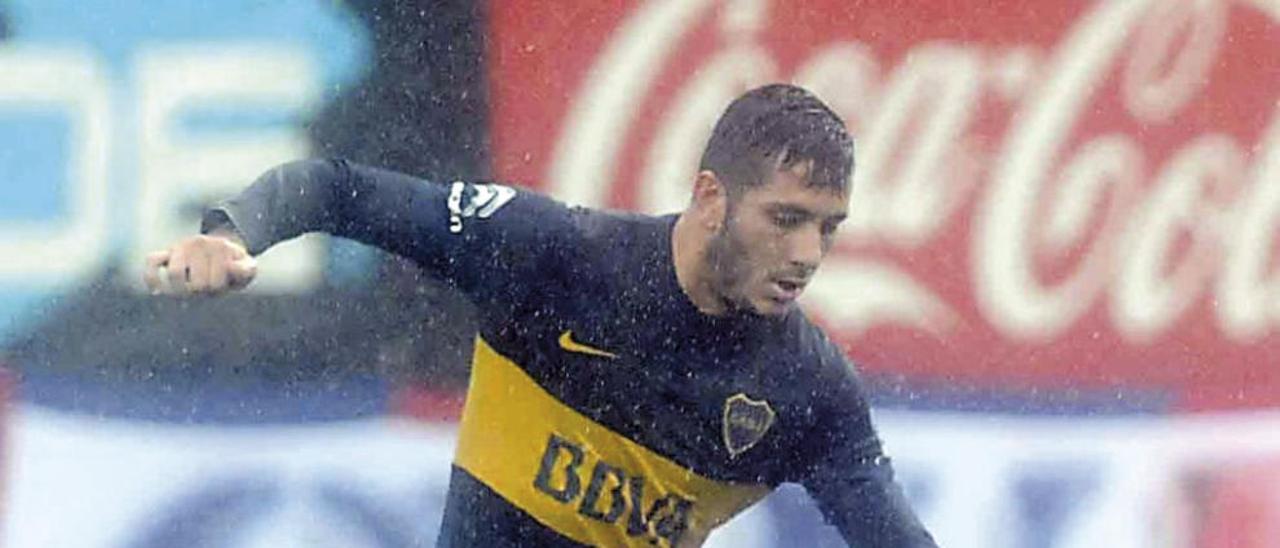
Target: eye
[[829, 228], [786, 220]]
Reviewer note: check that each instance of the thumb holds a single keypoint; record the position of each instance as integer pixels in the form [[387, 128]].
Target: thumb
[[242, 271], [151, 274]]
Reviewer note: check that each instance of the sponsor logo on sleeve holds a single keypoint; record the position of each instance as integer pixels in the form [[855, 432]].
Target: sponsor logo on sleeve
[[478, 201]]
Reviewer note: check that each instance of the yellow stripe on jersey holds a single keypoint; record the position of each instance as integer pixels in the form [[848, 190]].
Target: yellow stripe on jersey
[[576, 476]]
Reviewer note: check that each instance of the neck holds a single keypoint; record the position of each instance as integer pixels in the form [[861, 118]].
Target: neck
[[688, 251]]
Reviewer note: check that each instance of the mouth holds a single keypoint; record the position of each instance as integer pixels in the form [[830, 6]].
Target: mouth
[[786, 290]]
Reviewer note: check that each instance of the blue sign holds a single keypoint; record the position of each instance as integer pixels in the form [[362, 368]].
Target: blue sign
[[118, 119]]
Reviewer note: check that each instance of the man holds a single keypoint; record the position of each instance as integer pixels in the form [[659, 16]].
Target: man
[[636, 380]]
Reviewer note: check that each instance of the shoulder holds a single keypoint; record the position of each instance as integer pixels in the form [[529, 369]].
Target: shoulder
[[821, 355], [832, 378], [545, 212], [617, 228], [517, 210], [617, 243], [587, 245], [828, 397]]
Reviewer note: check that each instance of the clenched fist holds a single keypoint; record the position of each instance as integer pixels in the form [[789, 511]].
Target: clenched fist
[[207, 264]]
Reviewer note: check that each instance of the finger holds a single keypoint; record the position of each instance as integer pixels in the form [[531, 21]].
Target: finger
[[242, 272], [151, 274], [218, 272], [198, 271], [177, 274], [238, 252]]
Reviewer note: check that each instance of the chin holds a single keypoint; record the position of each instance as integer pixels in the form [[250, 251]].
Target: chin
[[770, 307]]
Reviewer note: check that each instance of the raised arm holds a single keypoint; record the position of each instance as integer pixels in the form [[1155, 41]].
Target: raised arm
[[472, 235], [396, 212]]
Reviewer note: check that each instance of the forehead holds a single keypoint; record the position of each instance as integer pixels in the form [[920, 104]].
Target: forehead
[[790, 186]]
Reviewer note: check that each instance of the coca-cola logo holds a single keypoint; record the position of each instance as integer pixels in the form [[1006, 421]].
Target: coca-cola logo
[[1037, 193]]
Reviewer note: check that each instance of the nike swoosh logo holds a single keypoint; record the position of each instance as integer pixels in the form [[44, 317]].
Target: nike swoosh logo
[[567, 343]]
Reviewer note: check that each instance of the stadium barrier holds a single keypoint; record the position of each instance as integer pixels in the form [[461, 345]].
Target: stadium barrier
[[977, 480]]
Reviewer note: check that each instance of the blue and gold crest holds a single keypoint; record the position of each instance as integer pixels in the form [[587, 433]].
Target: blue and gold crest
[[745, 422]]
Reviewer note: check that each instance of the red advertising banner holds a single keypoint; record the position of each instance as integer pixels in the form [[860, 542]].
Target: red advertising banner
[[1048, 194]]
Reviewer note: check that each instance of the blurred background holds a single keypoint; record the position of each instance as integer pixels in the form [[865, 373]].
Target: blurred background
[[1060, 276]]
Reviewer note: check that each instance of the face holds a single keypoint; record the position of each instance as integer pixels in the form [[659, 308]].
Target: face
[[773, 239]]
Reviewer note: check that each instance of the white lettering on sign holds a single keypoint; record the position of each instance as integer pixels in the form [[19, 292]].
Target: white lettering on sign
[[1002, 255], [1249, 286], [1063, 219], [687, 123], [72, 246], [592, 139], [180, 171]]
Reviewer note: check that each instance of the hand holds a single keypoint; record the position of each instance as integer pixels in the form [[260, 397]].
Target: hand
[[207, 264]]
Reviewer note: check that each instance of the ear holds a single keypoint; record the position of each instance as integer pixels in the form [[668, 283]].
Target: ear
[[710, 200]]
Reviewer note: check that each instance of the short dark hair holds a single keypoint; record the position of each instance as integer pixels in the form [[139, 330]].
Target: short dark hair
[[775, 127]]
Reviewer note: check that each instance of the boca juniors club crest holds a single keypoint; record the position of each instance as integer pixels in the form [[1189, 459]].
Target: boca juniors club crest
[[745, 422]]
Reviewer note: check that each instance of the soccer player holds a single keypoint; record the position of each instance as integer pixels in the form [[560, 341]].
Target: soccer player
[[637, 380]]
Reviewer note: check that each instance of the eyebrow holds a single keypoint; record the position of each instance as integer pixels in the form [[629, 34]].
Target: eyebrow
[[782, 207]]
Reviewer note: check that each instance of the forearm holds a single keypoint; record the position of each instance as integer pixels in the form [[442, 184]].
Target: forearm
[[479, 237], [285, 202], [869, 508], [376, 207]]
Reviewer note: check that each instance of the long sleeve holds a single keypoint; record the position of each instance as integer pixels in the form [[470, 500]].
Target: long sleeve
[[861, 498], [478, 237], [851, 478]]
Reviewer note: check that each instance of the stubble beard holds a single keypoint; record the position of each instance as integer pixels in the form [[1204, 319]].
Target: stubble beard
[[730, 270]]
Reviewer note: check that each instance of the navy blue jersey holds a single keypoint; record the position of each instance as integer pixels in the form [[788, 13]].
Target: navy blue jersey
[[604, 408]]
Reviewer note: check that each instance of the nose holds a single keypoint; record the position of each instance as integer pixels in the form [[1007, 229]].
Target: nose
[[808, 247]]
